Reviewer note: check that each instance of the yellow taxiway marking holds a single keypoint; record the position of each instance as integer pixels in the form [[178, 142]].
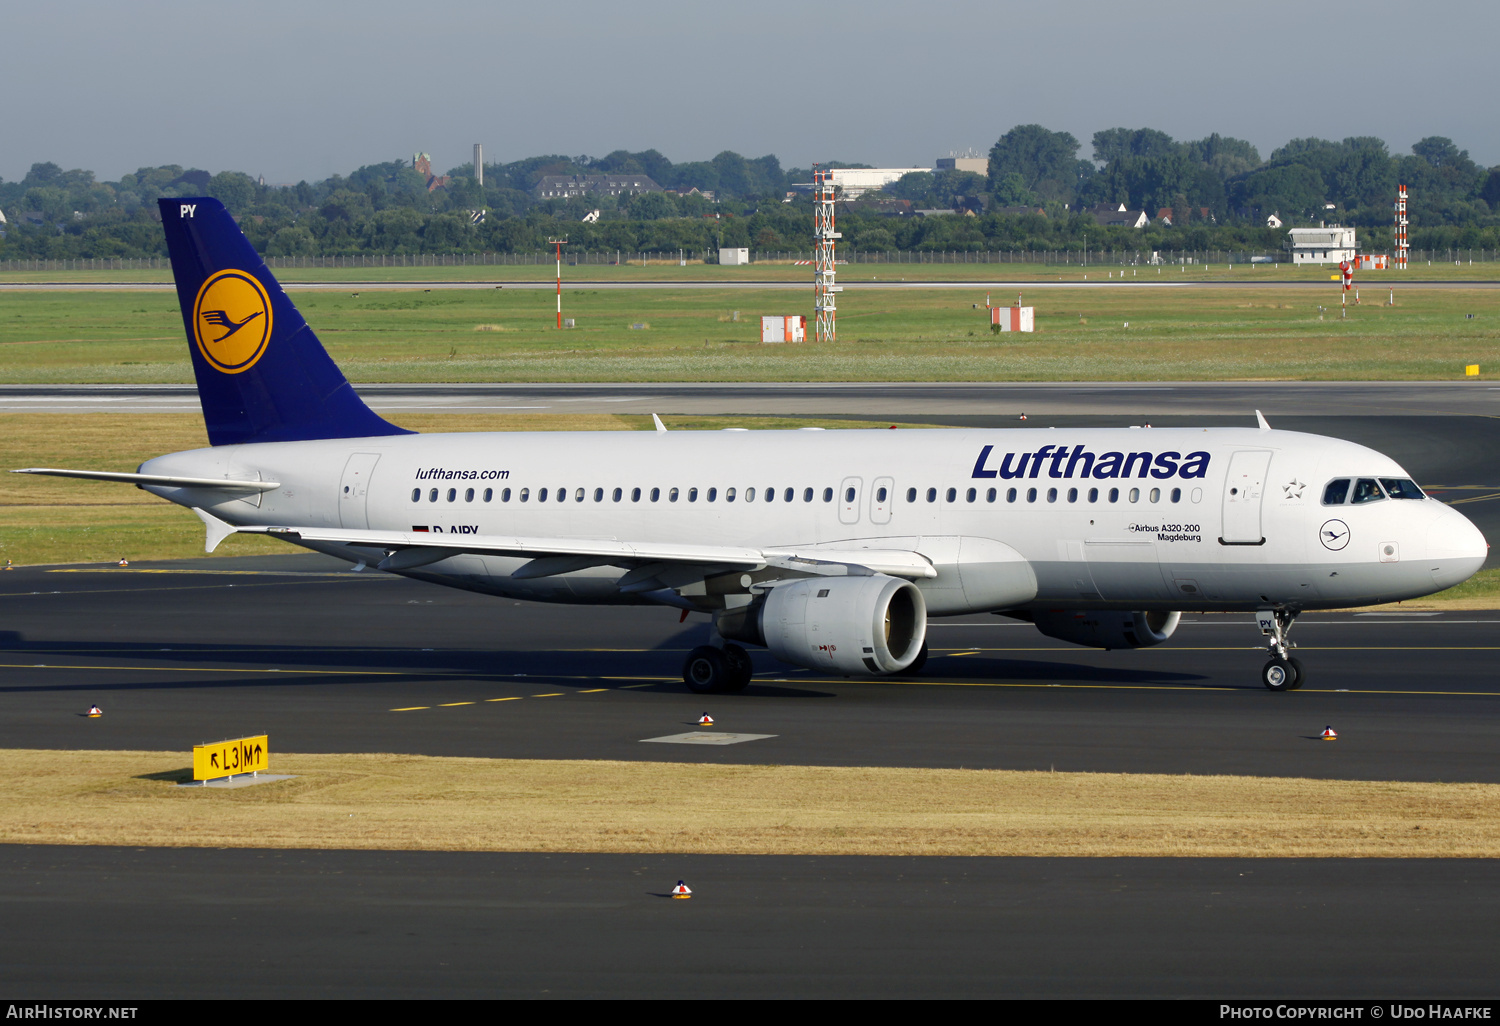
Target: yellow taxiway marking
[[220, 573], [509, 698], [590, 691], [625, 686], [976, 652], [447, 705], [1200, 688], [551, 694], [412, 708]]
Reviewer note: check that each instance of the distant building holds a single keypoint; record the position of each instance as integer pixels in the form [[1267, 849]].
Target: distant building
[[421, 163], [976, 165], [1273, 221], [734, 257], [568, 186], [1114, 215], [1326, 244]]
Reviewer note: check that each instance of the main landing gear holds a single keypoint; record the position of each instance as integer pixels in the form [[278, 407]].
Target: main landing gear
[[1281, 672], [710, 669]]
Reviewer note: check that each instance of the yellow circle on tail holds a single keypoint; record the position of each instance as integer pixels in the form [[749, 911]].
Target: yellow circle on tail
[[232, 321]]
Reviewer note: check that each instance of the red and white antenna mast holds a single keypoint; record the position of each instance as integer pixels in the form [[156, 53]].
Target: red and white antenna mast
[[559, 243], [1401, 243], [825, 238]]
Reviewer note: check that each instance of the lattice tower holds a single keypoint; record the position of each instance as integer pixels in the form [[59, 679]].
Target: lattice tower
[[825, 238], [1401, 243]]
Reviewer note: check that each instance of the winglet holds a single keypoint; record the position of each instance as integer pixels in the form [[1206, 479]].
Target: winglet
[[218, 529], [1264, 426], [660, 427]]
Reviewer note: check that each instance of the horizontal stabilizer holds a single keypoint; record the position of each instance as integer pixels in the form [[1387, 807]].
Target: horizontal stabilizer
[[162, 480]]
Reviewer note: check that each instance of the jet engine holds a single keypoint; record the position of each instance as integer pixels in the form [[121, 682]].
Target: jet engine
[[848, 625], [1100, 629]]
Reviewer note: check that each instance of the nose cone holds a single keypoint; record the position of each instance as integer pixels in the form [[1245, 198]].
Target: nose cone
[[1455, 549]]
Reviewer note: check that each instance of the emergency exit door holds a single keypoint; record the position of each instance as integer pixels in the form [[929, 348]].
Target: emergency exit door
[[1244, 485], [354, 489]]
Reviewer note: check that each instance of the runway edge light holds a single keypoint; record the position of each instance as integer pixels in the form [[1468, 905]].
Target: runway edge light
[[1329, 734], [705, 720], [681, 890], [94, 712]]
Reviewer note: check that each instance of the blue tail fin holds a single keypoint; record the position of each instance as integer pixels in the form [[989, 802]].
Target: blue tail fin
[[263, 376]]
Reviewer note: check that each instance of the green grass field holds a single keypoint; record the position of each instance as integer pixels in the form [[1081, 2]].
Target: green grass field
[[689, 335]]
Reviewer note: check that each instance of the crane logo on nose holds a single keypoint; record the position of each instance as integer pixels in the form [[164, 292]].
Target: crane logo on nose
[[1334, 535]]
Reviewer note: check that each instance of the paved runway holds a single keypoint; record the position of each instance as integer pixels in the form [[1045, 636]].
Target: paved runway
[[132, 923], [330, 661], [931, 402]]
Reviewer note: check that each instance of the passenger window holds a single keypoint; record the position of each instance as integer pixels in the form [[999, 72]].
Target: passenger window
[[468, 495], [655, 494], [489, 493], [1093, 495], [1010, 495], [1114, 495], [616, 495], [1031, 495], [525, 494], [1176, 494], [951, 494], [635, 495], [848, 494], [749, 494], [713, 493], [452, 494], [791, 493], [770, 494], [970, 495], [578, 495], [1072, 494], [989, 496], [1336, 492], [932, 495], [1135, 495], [807, 494], [432, 495], [1156, 495], [729, 495], [692, 495], [827, 494], [598, 494], [1366, 490], [1401, 488], [416, 495], [880, 494], [1051, 494], [562, 495], [672, 495], [541, 495], [911, 495]]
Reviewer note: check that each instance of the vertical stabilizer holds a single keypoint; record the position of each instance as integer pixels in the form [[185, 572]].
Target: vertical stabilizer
[[263, 376]]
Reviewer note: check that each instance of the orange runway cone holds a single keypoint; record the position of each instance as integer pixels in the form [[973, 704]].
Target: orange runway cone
[[705, 720], [1329, 734], [95, 712], [1023, 416], [681, 890]]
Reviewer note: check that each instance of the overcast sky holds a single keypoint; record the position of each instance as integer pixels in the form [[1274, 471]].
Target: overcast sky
[[305, 89]]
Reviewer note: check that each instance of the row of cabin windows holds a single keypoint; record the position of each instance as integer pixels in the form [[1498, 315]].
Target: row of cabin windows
[[618, 494], [787, 495], [1052, 495]]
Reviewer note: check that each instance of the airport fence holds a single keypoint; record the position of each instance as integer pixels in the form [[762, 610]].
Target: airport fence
[[662, 258]]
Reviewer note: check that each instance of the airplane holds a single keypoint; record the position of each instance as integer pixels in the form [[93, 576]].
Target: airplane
[[829, 549]]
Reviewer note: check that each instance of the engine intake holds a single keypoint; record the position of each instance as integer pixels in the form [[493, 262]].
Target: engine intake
[[848, 625], [1106, 629]]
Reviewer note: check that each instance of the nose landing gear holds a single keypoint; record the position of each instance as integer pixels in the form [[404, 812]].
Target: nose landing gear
[[1281, 672]]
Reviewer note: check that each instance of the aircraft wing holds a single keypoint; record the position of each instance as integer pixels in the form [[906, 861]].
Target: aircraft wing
[[227, 484], [648, 562]]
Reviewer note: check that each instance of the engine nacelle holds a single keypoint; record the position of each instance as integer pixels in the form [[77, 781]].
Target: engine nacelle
[[868, 624], [1106, 629]]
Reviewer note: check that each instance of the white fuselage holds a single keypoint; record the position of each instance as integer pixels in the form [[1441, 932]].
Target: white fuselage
[[1222, 518]]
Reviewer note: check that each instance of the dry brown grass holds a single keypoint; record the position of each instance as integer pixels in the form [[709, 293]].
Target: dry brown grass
[[417, 802]]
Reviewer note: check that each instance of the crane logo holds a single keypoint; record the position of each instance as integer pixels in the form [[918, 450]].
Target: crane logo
[[232, 321], [1334, 535]]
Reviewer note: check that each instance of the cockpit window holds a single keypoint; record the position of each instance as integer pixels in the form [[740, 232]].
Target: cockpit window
[[1401, 488], [1366, 490], [1336, 492]]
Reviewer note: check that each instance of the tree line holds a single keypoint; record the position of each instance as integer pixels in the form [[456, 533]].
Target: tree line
[[1037, 195]]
